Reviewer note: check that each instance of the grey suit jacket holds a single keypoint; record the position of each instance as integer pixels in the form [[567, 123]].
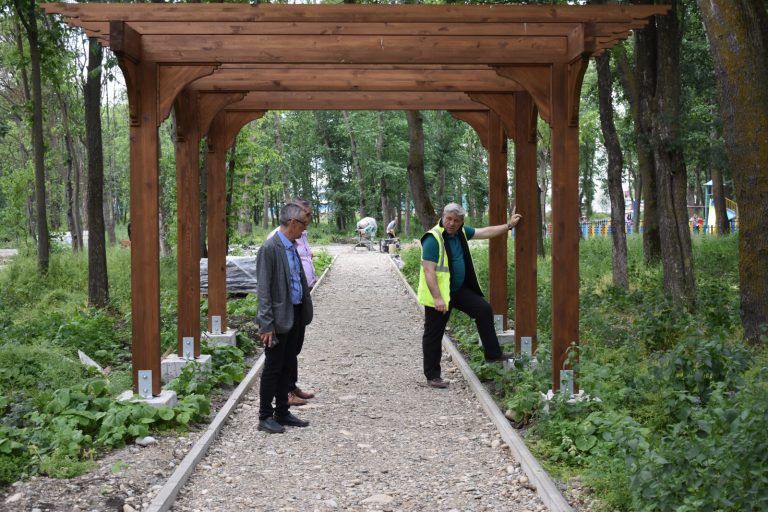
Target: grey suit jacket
[[275, 312]]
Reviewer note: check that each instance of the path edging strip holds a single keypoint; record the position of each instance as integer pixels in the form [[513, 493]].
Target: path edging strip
[[165, 498], [545, 486]]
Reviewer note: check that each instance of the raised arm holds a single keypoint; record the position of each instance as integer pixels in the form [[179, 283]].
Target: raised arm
[[494, 231]]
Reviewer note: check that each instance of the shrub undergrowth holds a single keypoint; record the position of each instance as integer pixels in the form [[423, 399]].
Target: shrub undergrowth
[[680, 422]]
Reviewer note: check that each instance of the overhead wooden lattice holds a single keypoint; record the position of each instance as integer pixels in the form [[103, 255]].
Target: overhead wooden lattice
[[497, 67], [395, 51]]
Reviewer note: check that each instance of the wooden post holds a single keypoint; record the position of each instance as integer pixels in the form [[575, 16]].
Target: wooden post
[[145, 230], [221, 135], [497, 214], [525, 232], [565, 220], [217, 223], [188, 220]]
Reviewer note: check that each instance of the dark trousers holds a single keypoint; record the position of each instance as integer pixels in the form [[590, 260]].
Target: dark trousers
[[477, 308], [295, 368], [279, 367]]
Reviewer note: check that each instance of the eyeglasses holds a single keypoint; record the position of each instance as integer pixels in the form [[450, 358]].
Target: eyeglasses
[[300, 222]]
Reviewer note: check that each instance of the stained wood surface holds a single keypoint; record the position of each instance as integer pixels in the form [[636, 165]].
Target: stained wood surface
[[246, 59], [526, 240]]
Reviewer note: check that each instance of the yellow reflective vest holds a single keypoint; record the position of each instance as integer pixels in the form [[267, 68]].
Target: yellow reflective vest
[[442, 270]]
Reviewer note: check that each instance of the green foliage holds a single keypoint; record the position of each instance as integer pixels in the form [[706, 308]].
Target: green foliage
[[682, 419]]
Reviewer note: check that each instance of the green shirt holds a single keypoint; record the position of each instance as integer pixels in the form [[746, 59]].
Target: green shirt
[[429, 251]]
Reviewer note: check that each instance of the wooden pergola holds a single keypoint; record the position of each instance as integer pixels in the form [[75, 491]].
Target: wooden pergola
[[220, 66]]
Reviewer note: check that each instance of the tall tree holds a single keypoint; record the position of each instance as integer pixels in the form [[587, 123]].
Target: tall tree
[[98, 284], [615, 165], [718, 190], [27, 13], [424, 209], [639, 83], [739, 44], [671, 175], [356, 165]]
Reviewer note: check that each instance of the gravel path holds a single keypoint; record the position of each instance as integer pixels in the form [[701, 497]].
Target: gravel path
[[379, 439]]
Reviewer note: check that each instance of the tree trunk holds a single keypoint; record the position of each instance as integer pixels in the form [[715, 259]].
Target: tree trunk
[[109, 199], [671, 177], [408, 210], [640, 84], [424, 209], [98, 284], [356, 165], [231, 162], [471, 178], [442, 150], [71, 185], [545, 162], [244, 224], [540, 222], [281, 152], [739, 45], [27, 14], [265, 192], [615, 165], [386, 213], [203, 204]]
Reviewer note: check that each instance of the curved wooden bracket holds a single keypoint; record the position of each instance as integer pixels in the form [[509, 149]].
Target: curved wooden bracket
[[478, 120], [226, 125], [131, 73], [211, 103], [536, 80], [503, 104], [171, 80], [576, 70]]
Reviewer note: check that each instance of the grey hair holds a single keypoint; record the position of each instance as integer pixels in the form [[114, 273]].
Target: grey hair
[[290, 211], [301, 202], [455, 209]]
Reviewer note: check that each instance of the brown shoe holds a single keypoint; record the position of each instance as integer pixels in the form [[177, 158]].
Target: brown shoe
[[306, 395], [295, 400], [437, 383]]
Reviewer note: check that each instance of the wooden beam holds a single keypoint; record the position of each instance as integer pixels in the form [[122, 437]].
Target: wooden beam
[[356, 101], [124, 41], [332, 49], [526, 239], [317, 79], [217, 222], [221, 136], [356, 13], [188, 220], [309, 27], [565, 228], [497, 214], [145, 238]]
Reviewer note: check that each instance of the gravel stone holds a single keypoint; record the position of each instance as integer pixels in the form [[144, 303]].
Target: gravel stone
[[379, 438]]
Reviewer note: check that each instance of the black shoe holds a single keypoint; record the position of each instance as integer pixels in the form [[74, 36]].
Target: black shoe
[[437, 382], [505, 356], [270, 426], [289, 420]]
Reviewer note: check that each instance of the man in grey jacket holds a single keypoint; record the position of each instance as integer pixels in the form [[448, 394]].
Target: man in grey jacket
[[285, 309]]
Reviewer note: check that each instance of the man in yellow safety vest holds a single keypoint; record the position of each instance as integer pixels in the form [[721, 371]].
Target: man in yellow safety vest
[[447, 279]]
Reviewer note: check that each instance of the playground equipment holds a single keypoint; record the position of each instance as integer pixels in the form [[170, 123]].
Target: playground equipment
[[710, 216], [366, 231]]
